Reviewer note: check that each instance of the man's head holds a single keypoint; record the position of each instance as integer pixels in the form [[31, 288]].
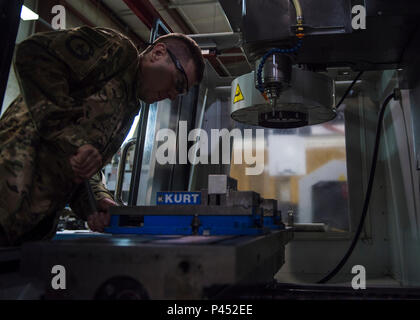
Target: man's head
[[170, 67]]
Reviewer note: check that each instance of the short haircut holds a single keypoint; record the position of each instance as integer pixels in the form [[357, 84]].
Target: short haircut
[[185, 49]]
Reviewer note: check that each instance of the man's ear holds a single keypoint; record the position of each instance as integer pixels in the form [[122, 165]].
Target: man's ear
[[158, 52]]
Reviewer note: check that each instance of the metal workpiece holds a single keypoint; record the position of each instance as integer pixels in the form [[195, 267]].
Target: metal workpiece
[[153, 267], [309, 100], [222, 191], [244, 199], [270, 207], [221, 184]]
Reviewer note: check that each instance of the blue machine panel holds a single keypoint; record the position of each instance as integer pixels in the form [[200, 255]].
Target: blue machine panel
[[273, 223], [179, 223], [183, 225], [191, 198]]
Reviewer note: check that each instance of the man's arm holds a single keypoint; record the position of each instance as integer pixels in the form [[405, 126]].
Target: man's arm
[[57, 70], [79, 202]]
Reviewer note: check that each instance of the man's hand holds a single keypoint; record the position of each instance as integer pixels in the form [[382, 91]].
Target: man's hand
[[99, 220], [86, 162]]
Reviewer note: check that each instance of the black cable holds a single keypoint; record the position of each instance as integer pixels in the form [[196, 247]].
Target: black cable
[[348, 89], [368, 192]]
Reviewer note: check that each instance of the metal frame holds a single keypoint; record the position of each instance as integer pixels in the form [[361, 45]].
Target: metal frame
[[158, 30], [121, 170]]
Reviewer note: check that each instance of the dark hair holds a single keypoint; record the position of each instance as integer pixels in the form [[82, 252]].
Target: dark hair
[[184, 48]]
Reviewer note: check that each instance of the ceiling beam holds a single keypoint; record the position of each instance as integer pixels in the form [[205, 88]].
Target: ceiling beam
[[120, 23], [179, 20], [146, 12], [217, 65], [185, 4]]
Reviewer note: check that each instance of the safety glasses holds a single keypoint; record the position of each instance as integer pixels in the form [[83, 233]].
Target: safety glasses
[[180, 86]]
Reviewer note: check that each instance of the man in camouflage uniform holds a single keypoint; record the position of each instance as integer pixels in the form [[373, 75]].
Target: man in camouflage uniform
[[80, 91]]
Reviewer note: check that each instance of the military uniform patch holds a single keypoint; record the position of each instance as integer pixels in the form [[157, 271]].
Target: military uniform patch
[[79, 47]]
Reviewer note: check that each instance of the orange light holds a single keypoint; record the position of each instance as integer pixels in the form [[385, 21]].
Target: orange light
[[265, 97]]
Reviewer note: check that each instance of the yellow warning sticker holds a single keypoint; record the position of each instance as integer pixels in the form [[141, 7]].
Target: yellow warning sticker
[[238, 94]]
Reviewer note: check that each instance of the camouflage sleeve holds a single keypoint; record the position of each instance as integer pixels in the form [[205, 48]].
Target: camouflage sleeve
[[79, 202], [57, 70]]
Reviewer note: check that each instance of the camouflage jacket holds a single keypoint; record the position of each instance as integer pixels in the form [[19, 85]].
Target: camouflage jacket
[[80, 87]]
